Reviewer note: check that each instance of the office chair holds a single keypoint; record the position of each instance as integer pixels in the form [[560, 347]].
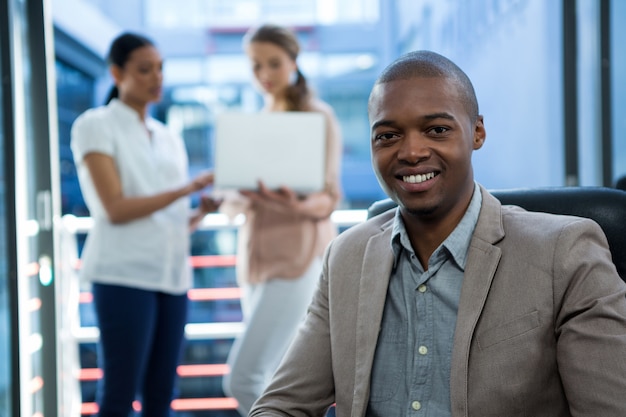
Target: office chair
[[607, 206]]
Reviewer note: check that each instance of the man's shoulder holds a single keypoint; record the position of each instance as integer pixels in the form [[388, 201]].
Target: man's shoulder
[[513, 212], [544, 224]]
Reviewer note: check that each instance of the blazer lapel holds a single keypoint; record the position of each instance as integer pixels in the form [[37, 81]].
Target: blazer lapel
[[482, 261], [377, 264]]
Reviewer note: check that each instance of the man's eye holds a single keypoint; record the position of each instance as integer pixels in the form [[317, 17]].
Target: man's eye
[[385, 136], [439, 130]]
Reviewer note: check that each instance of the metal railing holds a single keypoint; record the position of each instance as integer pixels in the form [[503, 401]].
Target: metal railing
[[214, 221], [73, 227]]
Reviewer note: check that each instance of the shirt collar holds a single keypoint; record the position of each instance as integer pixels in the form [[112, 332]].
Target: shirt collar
[[122, 109], [130, 115], [456, 243]]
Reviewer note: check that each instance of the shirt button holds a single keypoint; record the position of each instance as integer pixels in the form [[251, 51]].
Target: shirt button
[[422, 350], [422, 288], [416, 405]]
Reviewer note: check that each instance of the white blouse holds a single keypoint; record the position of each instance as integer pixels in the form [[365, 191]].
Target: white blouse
[[152, 252]]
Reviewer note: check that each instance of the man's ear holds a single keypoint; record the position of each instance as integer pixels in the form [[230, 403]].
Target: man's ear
[[480, 134]]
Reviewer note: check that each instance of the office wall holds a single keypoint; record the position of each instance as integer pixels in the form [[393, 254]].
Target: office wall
[[511, 51]]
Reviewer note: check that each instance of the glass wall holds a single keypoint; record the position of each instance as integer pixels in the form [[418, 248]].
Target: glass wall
[[618, 82], [5, 314], [511, 50], [29, 206], [71, 82], [589, 120], [593, 107]]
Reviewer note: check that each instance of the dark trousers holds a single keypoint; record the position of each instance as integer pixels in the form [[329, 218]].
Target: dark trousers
[[141, 338]]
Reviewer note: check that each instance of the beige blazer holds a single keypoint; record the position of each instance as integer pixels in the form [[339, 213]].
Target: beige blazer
[[541, 329]]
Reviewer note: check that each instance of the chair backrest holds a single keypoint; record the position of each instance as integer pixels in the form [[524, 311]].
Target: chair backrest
[[607, 206]]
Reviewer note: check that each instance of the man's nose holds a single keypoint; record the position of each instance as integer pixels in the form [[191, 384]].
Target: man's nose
[[414, 148]]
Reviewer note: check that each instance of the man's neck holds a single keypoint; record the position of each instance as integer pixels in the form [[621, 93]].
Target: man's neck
[[427, 233]]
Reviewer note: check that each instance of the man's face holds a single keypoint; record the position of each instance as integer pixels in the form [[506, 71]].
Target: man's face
[[422, 140]]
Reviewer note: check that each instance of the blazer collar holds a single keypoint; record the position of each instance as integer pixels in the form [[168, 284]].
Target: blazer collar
[[489, 227], [482, 260], [376, 270]]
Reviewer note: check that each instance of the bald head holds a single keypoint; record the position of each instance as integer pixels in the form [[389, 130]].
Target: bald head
[[427, 64]]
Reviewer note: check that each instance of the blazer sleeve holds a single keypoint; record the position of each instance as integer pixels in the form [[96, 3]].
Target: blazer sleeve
[[590, 322]]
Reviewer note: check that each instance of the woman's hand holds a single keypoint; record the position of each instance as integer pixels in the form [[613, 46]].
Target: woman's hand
[[201, 181], [282, 199], [209, 204], [317, 205]]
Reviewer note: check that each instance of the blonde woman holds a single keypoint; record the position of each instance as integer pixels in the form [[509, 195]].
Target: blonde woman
[[285, 234]]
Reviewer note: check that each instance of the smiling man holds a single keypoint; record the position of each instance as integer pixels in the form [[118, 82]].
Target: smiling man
[[452, 305]]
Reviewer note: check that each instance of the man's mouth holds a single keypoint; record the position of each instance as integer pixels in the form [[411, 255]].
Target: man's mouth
[[416, 179]]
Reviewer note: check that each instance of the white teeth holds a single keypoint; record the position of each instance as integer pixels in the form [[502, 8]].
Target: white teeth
[[415, 179]]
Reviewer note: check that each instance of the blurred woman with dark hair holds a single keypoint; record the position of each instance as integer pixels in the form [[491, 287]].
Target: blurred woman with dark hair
[[134, 177]]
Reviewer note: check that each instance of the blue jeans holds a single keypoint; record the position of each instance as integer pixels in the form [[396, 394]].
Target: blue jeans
[[141, 339]]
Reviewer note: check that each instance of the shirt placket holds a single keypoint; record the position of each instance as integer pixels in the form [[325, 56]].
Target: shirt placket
[[422, 347], [420, 361]]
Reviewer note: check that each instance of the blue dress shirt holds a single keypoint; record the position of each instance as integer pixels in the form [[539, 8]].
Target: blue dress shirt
[[411, 369]]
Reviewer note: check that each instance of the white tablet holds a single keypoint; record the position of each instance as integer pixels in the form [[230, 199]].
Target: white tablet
[[278, 148]]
